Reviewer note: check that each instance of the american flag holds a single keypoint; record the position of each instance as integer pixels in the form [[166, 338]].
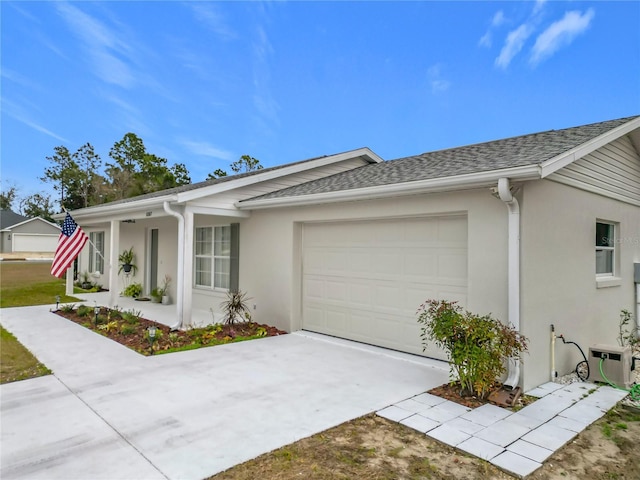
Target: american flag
[[70, 244]]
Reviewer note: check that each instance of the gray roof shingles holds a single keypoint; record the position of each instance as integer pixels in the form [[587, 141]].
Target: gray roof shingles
[[524, 150], [8, 219]]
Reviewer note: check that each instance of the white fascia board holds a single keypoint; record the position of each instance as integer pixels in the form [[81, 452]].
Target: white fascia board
[[433, 185], [220, 212], [554, 164], [279, 172], [131, 209]]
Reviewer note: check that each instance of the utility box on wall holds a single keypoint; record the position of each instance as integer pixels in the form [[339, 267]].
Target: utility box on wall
[[616, 364]]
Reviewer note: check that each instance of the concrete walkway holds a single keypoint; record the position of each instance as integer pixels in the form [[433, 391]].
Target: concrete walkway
[[108, 412]]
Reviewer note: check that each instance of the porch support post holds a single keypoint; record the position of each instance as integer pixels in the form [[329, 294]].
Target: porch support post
[[114, 248], [187, 275]]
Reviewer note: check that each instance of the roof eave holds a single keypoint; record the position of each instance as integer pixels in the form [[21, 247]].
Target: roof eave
[[432, 185], [556, 163], [118, 208], [365, 153]]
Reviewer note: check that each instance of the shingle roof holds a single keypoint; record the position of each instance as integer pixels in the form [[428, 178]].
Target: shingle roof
[[532, 149], [205, 183], [9, 219]]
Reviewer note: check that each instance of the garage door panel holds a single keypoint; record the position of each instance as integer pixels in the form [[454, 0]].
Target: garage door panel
[[26, 242], [452, 265], [452, 230], [364, 281]]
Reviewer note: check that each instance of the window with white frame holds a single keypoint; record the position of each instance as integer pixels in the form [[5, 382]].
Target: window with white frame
[[96, 252], [213, 257], [605, 248]]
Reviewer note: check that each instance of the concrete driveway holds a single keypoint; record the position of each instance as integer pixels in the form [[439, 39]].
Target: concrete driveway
[[108, 412]]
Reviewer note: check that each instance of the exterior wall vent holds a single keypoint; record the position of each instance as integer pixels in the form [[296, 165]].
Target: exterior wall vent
[[616, 365]]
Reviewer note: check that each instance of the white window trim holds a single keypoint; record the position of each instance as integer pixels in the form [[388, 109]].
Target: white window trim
[[213, 258], [610, 279], [96, 256]]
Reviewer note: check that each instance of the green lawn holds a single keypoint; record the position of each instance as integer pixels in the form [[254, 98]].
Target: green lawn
[[23, 284], [16, 362], [30, 283]]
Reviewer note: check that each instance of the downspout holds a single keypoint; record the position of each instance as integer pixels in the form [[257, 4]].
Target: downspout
[[513, 277], [180, 282]]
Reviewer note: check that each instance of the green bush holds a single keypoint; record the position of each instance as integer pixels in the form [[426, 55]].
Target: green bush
[[84, 311], [134, 290], [132, 317], [477, 346], [127, 329]]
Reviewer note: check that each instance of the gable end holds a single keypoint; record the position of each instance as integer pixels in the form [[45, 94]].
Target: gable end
[[612, 171]]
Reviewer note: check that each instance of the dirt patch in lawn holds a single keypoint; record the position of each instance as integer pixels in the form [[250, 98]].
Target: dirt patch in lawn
[[131, 330], [374, 448]]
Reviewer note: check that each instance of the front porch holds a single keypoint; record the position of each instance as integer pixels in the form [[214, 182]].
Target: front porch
[[164, 314]]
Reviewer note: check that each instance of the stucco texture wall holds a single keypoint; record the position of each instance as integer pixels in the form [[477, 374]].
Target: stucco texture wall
[[271, 244], [558, 274]]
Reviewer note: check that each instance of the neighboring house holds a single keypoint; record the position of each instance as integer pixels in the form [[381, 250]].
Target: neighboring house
[[20, 234], [539, 229]]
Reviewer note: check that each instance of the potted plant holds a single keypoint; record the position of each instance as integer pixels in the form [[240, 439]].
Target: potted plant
[[156, 295], [126, 260], [164, 290], [85, 284], [134, 290]]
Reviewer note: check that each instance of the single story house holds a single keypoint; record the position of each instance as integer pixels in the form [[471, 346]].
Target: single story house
[[537, 230], [20, 234]]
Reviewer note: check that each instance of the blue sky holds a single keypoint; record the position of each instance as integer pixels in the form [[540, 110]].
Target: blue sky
[[203, 83]]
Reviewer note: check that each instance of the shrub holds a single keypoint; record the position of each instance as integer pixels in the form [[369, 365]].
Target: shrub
[[132, 317], [127, 329], [134, 290], [477, 346], [628, 332], [84, 311], [235, 307], [68, 308]]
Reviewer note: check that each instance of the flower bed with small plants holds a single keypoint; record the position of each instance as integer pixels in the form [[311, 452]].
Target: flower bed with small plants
[[130, 329]]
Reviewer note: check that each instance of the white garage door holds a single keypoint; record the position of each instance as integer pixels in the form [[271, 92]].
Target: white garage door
[[365, 280], [26, 242]]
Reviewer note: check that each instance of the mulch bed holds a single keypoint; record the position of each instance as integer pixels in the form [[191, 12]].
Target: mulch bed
[[453, 392], [131, 330]]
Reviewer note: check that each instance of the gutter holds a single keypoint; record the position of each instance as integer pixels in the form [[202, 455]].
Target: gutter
[[513, 276], [180, 283], [431, 185], [120, 208]]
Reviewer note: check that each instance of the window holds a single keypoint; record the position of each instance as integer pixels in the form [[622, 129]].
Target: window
[[213, 257], [605, 248], [96, 252]]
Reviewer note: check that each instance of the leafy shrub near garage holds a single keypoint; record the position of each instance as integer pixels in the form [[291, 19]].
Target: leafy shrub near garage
[[477, 346]]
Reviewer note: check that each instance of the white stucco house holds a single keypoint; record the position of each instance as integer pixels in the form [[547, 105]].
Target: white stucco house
[[20, 234], [538, 229]]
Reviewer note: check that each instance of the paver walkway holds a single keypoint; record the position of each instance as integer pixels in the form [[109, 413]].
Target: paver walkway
[[515, 442]]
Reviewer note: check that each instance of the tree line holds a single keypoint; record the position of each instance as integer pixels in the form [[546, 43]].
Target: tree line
[[81, 179]]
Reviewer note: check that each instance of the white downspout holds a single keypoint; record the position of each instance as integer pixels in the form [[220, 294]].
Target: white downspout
[[180, 273], [513, 278]]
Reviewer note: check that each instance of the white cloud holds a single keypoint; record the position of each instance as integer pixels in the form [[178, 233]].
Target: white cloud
[[538, 6], [498, 19], [437, 83], [513, 44], [487, 39], [266, 106], [209, 15], [18, 113], [105, 46], [560, 34], [205, 149]]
